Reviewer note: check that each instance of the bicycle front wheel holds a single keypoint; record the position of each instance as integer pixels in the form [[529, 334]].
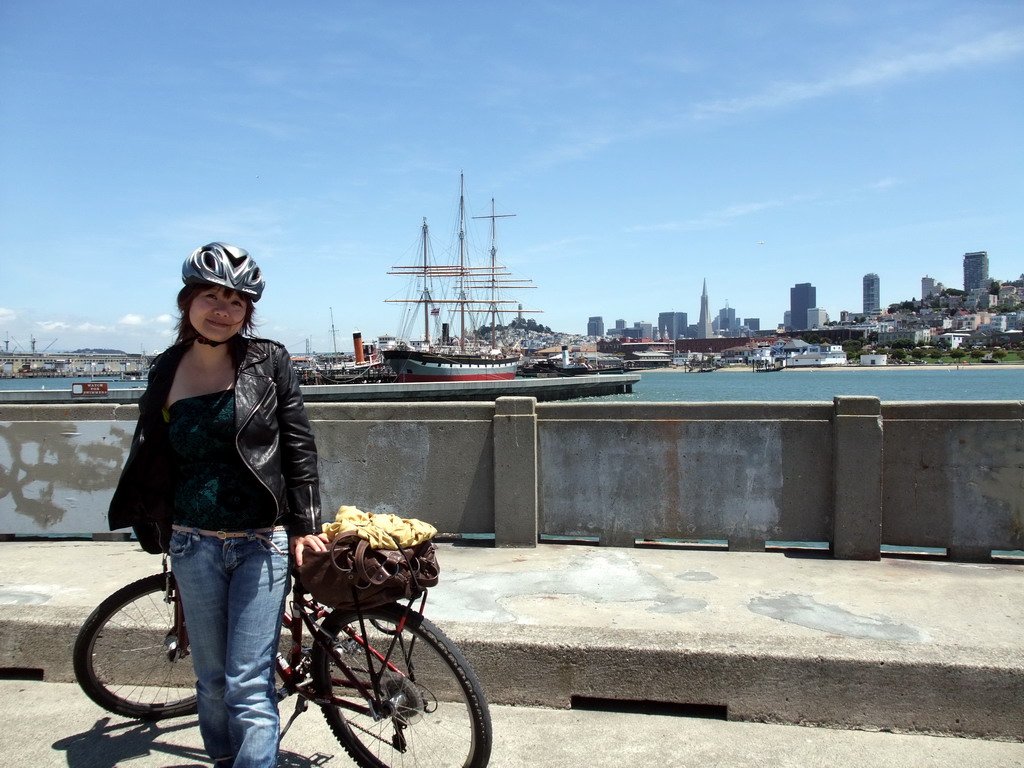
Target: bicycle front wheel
[[127, 656], [400, 692]]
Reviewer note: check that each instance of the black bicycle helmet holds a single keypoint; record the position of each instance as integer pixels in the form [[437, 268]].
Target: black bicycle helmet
[[226, 265]]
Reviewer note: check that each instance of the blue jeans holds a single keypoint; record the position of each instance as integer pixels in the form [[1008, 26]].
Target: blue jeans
[[233, 592]]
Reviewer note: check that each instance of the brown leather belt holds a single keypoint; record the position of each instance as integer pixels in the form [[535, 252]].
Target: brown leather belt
[[222, 535]]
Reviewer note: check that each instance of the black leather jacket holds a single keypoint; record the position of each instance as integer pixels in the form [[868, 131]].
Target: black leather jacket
[[273, 437]]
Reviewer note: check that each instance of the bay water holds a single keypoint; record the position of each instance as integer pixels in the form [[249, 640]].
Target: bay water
[[889, 383]]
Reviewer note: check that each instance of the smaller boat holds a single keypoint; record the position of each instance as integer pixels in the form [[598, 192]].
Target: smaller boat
[[364, 366], [563, 365]]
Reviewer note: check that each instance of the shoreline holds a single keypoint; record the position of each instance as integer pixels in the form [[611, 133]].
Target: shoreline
[[838, 368]]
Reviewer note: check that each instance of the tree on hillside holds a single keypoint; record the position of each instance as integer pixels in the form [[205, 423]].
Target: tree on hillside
[[904, 306], [484, 332]]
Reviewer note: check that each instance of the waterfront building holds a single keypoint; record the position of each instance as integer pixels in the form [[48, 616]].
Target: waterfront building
[[872, 294], [672, 325], [802, 297], [918, 336], [703, 346], [595, 326], [704, 330], [976, 271]]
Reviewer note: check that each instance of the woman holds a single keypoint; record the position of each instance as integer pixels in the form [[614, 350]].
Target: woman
[[222, 475]]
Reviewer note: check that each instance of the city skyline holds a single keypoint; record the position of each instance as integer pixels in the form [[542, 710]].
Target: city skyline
[[755, 145], [974, 268], [975, 275]]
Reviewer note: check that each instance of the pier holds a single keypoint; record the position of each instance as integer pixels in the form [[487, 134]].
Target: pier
[[853, 564], [543, 390], [32, 365]]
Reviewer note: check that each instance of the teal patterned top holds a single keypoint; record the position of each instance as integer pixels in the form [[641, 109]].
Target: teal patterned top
[[214, 489]]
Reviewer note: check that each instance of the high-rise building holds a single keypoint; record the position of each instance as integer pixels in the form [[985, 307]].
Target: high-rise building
[[752, 323], [976, 271], [727, 321], [620, 324], [872, 293], [672, 325], [817, 317], [595, 326], [927, 287], [704, 321], [802, 297]]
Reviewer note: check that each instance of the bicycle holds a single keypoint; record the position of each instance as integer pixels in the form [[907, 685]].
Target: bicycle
[[393, 688]]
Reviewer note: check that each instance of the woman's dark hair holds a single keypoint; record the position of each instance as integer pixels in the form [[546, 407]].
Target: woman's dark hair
[[184, 329]]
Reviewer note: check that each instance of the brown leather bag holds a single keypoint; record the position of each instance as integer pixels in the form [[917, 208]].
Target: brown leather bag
[[352, 573]]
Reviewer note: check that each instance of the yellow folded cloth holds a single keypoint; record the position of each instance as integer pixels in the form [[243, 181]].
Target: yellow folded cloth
[[381, 531]]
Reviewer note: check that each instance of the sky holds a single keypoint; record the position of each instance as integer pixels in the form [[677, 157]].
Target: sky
[[643, 149]]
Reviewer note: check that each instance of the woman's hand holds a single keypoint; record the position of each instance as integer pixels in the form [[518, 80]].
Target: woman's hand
[[315, 541]]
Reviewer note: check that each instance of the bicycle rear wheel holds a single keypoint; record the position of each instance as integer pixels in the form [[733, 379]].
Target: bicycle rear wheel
[[127, 658], [425, 705]]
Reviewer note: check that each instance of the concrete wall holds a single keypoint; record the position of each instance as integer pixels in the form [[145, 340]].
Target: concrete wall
[[854, 473]]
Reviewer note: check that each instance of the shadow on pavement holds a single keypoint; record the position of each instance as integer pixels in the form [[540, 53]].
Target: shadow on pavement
[[112, 743]]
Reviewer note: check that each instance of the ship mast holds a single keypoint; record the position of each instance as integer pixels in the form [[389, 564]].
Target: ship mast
[[426, 288], [462, 263], [334, 337], [469, 280], [494, 269]]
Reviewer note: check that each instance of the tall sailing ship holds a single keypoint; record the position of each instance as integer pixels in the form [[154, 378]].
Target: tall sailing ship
[[456, 293]]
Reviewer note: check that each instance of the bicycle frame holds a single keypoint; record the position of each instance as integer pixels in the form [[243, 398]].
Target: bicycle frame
[[293, 671]]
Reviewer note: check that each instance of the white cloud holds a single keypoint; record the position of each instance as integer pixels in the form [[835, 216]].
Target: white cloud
[[132, 320], [714, 219], [7, 315], [885, 183], [93, 328], [53, 325], [995, 47]]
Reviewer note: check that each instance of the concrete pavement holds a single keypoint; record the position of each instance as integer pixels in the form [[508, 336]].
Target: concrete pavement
[[898, 645], [51, 724]]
